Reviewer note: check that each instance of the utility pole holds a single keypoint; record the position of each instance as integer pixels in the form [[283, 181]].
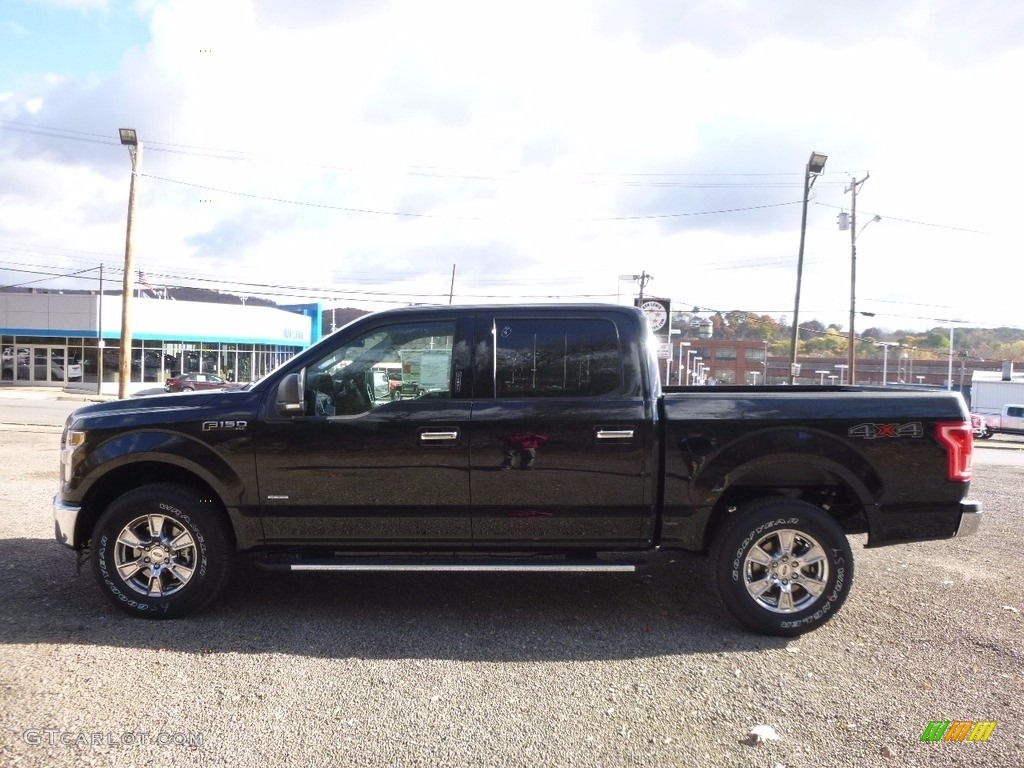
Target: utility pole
[[853, 189], [451, 289], [99, 339], [643, 280], [124, 362]]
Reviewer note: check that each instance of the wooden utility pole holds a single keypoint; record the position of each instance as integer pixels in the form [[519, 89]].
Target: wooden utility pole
[[851, 353], [99, 339], [124, 362]]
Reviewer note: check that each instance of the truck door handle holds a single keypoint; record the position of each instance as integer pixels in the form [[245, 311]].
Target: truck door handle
[[429, 436], [614, 434]]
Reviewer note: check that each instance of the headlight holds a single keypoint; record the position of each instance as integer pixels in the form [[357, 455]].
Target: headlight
[[70, 442]]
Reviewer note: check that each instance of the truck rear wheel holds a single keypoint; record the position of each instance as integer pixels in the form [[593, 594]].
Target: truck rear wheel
[[161, 552], [783, 567]]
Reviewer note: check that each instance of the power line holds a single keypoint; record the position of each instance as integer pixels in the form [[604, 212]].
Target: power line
[[887, 217], [408, 214], [634, 179]]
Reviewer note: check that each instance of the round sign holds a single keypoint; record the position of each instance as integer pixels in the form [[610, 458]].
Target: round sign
[[656, 314]]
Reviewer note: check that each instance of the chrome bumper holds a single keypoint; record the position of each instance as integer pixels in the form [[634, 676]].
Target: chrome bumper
[[970, 518], [64, 518]]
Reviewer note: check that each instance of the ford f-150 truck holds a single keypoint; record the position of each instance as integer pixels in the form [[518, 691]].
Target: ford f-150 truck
[[1009, 421], [525, 438]]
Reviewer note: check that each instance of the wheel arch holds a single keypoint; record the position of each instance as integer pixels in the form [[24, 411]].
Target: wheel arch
[[813, 467], [143, 472]]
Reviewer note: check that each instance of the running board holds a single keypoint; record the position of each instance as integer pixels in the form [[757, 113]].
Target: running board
[[452, 567]]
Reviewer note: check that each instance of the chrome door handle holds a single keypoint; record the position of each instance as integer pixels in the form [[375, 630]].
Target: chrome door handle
[[614, 434], [439, 436]]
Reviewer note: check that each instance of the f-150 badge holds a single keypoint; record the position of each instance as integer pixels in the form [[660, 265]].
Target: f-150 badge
[[231, 426]]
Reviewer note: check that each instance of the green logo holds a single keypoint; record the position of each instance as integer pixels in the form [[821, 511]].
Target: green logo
[[958, 730]]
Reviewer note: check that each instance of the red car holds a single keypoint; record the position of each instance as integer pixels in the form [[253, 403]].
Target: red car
[[186, 382]]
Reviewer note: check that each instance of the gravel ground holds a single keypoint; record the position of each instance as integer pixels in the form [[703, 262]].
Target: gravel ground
[[506, 670]]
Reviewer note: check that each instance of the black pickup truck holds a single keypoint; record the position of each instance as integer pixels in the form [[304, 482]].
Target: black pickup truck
[[508, 438]]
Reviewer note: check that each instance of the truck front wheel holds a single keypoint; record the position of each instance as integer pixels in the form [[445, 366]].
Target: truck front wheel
[[783, 567], [161, 551]]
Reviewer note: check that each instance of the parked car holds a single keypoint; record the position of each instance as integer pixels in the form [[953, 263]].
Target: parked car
[[979, 426], [186, 382]]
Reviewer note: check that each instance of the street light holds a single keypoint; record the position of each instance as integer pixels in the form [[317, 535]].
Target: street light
[[885, 359], [952, 327], [124, 360], [823, 374], [841, 367], [679, 371], [910, 364], [618, 285], [815, 165]]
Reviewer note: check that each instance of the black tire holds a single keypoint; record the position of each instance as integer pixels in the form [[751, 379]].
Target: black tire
[[762, 578], [188, 555], [987, 434], [187, 389]]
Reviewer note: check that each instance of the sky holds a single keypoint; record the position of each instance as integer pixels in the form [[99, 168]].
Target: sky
[[362, 152]]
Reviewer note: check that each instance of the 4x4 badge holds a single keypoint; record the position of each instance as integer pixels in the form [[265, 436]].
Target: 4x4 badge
[[872, 431]]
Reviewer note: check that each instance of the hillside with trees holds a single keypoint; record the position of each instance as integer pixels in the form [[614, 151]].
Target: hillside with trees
[[819, 340]]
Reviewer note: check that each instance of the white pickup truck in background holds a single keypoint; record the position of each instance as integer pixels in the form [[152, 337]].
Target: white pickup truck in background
[[1010, 421]]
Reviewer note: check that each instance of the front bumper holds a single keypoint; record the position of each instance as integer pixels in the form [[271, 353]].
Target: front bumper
[[65, 516], [970, 518]]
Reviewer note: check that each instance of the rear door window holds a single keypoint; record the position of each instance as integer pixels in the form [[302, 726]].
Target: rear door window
[[556, 358]]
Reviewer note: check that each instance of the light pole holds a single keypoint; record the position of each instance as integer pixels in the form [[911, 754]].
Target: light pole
[[815, 165], [952, 327], [885, 359], [679, 371], [841, 367], [124, 360], [823, 374], [618, 285]]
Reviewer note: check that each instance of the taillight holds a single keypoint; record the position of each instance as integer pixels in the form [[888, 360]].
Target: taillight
[[958, 440]]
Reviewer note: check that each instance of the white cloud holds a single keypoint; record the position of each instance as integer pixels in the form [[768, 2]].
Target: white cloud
[[523, 135]]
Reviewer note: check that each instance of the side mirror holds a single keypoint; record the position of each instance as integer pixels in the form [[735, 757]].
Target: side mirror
[[288, 398]]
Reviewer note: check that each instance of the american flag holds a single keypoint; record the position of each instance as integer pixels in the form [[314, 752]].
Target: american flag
[[144, 283]]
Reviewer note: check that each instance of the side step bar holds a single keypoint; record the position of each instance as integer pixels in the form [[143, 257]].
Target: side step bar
[[449, 566]]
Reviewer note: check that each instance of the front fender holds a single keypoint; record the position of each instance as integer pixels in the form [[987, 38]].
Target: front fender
[[160, 447]]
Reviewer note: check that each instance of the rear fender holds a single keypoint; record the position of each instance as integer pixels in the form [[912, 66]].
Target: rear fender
[[773, 461]]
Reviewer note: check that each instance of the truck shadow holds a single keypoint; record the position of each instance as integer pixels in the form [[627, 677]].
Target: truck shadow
[[667, 609]]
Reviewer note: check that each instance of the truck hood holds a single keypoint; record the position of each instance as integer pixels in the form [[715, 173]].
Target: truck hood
[[164, 409]]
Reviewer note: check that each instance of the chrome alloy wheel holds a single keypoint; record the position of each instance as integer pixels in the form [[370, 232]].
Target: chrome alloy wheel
[[155, 555], [786, 571]]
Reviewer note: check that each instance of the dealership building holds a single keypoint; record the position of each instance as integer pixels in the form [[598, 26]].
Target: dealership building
[[73, 340]]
